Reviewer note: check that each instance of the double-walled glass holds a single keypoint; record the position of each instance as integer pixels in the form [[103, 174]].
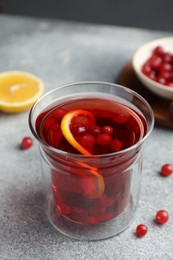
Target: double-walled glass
[[91, 197]]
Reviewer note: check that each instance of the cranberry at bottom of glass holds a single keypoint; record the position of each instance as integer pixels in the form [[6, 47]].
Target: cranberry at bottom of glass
[[76, 199]]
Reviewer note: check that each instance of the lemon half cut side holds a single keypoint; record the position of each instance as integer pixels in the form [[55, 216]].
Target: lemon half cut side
[[19, 90]]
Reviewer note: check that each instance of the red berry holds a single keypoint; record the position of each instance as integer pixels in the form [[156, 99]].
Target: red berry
[[162, 217], [87, 141], [94, 130], [167, 169], [116, 145], [26, 142], [141, 230], [54, 134], [89, 186], [58, 113], [107, 129], [146, 69], [166, 67], [55, 127], [81, 120], [155, 62], [78, 130], [92, 220], [47, 123], [159, 51], [167, 57], [103, 139], [120, 118]]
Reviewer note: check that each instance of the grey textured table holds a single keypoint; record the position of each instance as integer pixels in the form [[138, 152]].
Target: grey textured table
[[61, 52]]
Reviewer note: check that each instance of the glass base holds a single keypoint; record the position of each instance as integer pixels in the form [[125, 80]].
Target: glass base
[[88, 232]]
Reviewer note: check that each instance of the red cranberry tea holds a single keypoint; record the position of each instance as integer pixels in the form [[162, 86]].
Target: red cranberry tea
[[85, 193]]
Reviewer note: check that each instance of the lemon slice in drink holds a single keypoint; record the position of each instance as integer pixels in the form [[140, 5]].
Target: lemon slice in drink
[[98, 181], [66, 124], [19, 90]]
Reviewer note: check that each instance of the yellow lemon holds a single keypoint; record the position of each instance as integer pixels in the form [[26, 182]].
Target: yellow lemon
[[19, 90]]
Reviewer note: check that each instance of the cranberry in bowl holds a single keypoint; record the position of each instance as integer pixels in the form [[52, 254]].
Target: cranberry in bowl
[[153, 65]]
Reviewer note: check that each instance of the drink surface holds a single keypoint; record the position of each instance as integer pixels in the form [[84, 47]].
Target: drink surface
[[115, 127]]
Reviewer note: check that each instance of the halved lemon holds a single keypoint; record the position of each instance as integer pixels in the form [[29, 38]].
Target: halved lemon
[[98, 184], [19, 90]]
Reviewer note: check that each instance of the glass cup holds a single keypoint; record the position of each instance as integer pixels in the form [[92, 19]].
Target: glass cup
[[92, 197]]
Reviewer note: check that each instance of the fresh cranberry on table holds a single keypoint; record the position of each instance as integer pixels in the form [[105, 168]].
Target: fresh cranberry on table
[[166, 169], [141, 230], [162, 217], [26, 143]]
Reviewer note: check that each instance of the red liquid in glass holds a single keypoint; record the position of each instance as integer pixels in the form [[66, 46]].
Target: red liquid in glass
[[74, 187]]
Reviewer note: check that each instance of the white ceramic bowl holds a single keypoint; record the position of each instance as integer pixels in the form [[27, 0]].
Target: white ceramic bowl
[[139, 58]]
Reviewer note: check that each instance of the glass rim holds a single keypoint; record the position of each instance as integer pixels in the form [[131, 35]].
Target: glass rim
[[80, 156]]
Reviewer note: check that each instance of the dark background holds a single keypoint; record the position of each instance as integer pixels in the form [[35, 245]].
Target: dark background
[[149, 14]]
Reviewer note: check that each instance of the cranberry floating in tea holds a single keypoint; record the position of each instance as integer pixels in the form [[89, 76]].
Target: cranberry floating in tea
[[91, 130]]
